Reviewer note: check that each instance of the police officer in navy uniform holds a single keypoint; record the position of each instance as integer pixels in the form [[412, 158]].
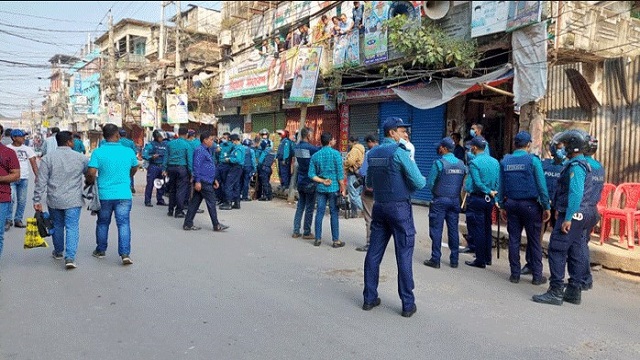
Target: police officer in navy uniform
[[524, 203], [567, 246], [598, 175], [445, 181], [393, 177], [154, 152], [306, 187], [482, 186], [285, 155], [231, 183], [248, 168], [224, 151], [551, 168]]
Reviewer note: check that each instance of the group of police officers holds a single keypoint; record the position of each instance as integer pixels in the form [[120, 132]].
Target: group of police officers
[[529, 193]]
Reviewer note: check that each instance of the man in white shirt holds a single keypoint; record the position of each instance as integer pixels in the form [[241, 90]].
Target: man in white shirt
[[26, 156], [50, 143]]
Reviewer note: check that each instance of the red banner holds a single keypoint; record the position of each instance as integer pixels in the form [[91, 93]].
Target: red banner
[[344, 128]]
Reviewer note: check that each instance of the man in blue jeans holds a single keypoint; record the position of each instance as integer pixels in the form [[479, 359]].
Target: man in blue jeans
[[326, 170], [306, 187], [27, 157], [113, 165], [60, 178]]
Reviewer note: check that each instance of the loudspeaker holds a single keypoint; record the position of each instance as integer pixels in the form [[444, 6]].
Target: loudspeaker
[[436, 9]]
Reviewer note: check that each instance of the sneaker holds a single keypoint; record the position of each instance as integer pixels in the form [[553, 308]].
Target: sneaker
[[57, 255], [337, 244], [309, 236], [220, 227], [362, 248], [296, 235], [317, 242], [98, 254], [126, 260], [70, 264], [192, 227]]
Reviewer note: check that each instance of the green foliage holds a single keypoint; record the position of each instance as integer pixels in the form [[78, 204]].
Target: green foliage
[[206, 94], [428, 46]]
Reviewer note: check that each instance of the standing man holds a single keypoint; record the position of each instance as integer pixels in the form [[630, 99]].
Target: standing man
[[27, 157], [154, 152], [204, 178], [393, 178], [128, 143], [248, 168], [566, 245], [352, 165], [265, 159], [235, 160], [306, 187], [284, 156], [476, 130], [326, 170], [9, 172], [61, 179], [482, 186], [524, 203], [78, 145], [445, 181], [598, 175], [50, 143], [264, 135], [224, 151], [113, 165], [178, 165], [458, 151], [367, 193]]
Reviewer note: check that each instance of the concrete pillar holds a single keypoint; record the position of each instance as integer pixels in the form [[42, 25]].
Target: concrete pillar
[[532, 120]]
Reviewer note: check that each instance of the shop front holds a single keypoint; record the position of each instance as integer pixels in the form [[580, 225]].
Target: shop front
[[321, 117]]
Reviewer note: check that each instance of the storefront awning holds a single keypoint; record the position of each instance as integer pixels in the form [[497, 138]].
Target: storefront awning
[[437, 93]]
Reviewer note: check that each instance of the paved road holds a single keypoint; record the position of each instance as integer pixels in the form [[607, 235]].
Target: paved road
[[256, 293]]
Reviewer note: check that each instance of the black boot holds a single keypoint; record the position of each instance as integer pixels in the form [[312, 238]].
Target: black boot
[[573, 294], [226, 206], [236, 205], [553, 296]]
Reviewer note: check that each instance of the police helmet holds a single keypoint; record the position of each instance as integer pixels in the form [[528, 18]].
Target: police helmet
[[575, 141], [264, 132], [264, 144], [246, 142], [157, 134], [592, 145]]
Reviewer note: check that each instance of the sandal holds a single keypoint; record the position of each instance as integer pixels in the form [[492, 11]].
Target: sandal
[[337, 244]]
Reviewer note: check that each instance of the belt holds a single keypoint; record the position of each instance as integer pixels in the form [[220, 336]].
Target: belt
[[477, 194], [171, 165]]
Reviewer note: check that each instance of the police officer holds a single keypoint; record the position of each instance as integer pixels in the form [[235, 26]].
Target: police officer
[[265, 160], [264, 135], [306, 187], [598, 174], [482, 186], [154, 152], [445, 181], [567, 246], [224, 151], [248, 168], [524, 203], [284, 156], [235, 160], [551, 168], [393, 177]]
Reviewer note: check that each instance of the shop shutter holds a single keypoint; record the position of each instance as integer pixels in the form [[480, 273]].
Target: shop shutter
[[262, 121], [427, 129], [281, 120], [235, 122], [394, 108], [363, 119]]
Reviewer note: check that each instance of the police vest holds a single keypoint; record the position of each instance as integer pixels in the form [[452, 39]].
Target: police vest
[[561, 198], [248, 159], [519, 182], [225, 150], [268, 161], [160, 149], [551, 175], [597, 179], [388, 182], [303, 157], [450, 180], [283, 144]]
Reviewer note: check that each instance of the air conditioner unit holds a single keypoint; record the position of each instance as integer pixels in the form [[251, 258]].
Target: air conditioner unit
[[225, 38]]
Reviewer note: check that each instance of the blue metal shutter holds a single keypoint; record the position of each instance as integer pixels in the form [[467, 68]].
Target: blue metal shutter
[[428, 129], [394, 108], [363, 119]]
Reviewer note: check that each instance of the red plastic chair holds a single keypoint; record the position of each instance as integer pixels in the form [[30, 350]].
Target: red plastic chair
[[604, 202], [631, 193]]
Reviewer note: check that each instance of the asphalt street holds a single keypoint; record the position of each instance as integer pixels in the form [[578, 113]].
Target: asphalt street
[[254, 292]]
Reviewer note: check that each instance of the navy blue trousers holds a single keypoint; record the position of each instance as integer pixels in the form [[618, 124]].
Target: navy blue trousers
[[586, 236], [232, 183], [391, 218], [285, 172], [178, 187], [221, 176], [264, 176], [444, 209], [153, 172], [569, 250], [479, 226], [247, 172], [527, 215]]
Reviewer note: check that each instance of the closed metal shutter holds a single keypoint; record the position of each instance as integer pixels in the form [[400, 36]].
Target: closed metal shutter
[[281, 120], [397, 109], [427, 129], [232, 124], [262, 121], [363, 119]]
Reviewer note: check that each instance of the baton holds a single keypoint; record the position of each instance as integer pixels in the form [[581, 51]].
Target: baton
[[498, 241]]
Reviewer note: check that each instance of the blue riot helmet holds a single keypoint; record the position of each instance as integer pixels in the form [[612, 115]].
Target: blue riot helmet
[[592, 145], [575, 141], [264, 144], [247, 142]]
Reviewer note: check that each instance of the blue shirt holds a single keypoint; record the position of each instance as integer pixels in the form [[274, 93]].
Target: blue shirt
[[484, 175], [262, 154], [129, 144], [195, 142], [155, 148], [236, 156], [408, 167], [179, 153], [113, 162], [204, 170], [436, 169], [541, 182], [577, 176], [327, 164], [78, 146]]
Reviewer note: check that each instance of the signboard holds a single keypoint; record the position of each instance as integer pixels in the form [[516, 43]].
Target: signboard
[[456, 23], [523, 13], [488, 17], [148, 107], [256, 75], [114, 113], [343, 146], [260, 104], [346, 50], [375, 35], [326, 100], [177, 111], [77, 84], [305, 79]]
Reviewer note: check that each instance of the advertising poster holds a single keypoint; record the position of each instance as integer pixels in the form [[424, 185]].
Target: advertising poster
[[114, 112], [375, 35], [305, 78], [523, 13], [148, 111], [254, 76], [488, 17], [346, 51], [177, 112], [290, 57]]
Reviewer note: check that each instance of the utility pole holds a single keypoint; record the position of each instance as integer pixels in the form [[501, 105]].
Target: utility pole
[[161, 41], [177, 71], [294, 177]]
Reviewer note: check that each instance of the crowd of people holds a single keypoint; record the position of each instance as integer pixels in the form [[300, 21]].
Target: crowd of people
[[377, 179]]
